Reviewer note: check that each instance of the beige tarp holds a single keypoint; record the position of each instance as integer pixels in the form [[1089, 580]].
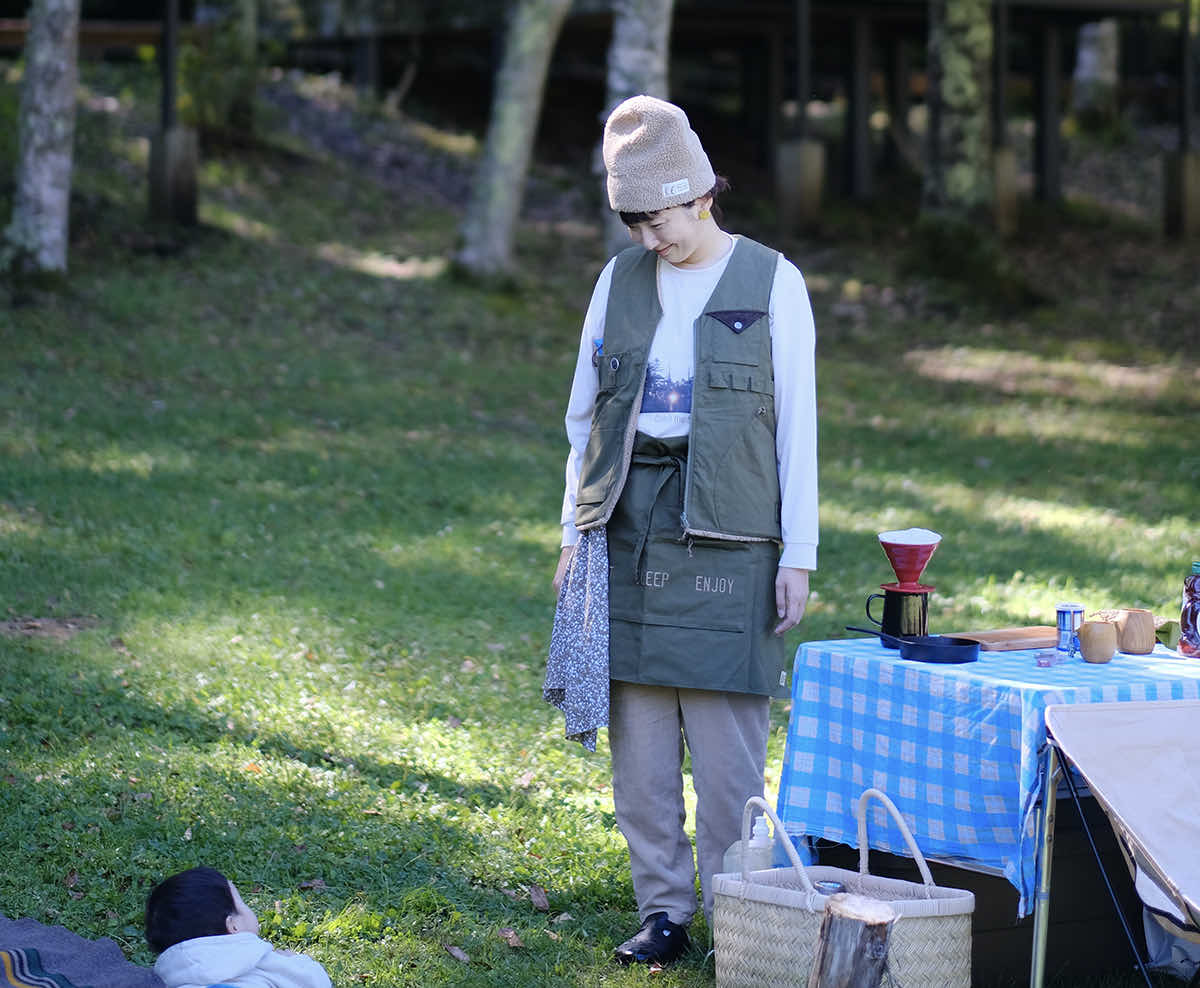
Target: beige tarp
[[1142, 763]]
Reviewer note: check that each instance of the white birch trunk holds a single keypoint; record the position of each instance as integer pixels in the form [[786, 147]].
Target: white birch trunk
[[958, 176], [1094, 83], [330, 22], [248, 28], [489, 229], [638, 59], [39, 232]]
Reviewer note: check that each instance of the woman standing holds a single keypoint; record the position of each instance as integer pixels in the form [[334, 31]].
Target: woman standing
[[692, 423]]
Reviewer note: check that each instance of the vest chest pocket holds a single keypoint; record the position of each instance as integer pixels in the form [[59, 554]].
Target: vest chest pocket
[[738, 336], [614, 369]]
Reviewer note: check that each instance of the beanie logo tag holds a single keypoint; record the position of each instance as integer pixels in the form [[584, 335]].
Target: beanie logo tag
[[676, 188]]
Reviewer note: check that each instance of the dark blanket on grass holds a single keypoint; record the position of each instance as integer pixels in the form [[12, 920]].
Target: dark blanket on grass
[[32, 954]]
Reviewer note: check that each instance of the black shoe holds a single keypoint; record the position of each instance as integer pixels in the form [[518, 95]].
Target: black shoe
[[659, 941]]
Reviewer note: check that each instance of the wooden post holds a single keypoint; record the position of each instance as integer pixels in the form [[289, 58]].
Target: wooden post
[[803, 65], [858, 120], [173, 150], [170, 64], [1181, 187], [1005, 205], [1047, 139], [1187, 102], [899, 82], [1000, 74], [852, 948]]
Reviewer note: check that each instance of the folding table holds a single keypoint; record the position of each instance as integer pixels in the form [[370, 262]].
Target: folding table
[[960, 749]]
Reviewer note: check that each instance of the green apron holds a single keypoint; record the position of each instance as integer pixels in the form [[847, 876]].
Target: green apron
[[695, 613]]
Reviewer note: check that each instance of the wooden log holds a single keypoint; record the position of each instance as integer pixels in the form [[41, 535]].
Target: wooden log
[[852, 948]]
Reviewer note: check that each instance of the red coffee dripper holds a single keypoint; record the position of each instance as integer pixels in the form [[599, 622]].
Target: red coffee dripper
[[908, 551]]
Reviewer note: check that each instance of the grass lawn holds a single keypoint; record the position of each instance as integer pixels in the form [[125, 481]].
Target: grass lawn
[[278, 505]]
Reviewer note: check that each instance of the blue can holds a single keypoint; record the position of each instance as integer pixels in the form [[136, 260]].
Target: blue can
[[1070, 617]]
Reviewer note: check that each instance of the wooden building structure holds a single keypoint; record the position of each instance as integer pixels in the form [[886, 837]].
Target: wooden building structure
[[770, 57], [877, 38], [777, 54]]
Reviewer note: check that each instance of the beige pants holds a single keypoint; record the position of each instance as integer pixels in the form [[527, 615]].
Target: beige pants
[[726, 734]]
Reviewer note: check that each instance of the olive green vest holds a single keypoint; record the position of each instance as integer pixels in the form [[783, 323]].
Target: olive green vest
[[732, 486]]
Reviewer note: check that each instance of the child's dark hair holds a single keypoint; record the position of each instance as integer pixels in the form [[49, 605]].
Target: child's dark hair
[[722, 184], [194, 903]]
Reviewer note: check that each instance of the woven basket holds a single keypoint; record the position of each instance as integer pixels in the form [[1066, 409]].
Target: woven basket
[[766, 923]]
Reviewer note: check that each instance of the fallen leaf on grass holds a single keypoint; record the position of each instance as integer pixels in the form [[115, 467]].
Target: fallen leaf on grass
[[72, 879], [457, 953], [537, 895], [252, 767], [562, 918], [510, 937], [552, 935], [313, 883]]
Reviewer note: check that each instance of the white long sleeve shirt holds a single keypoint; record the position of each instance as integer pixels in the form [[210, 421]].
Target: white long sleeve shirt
[[683, 293]]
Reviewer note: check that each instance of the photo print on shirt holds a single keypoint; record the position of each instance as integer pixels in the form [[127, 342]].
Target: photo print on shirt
[[663, 393]]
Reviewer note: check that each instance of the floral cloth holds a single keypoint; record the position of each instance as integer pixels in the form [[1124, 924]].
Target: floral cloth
[[577, 666]]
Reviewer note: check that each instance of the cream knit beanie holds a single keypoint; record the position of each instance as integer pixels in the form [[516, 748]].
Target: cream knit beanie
[[654, 158]]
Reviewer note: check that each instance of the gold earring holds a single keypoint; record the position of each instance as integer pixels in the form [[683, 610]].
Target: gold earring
[[705, 214]]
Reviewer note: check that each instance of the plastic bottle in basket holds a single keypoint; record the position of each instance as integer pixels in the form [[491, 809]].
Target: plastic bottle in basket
[[1189, 616], [760, 851]]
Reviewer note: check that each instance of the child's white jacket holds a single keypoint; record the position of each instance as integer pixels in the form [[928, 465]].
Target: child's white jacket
[[239, 959]]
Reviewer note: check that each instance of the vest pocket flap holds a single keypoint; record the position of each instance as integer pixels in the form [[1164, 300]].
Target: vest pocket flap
[[738, 320], [740, 377], [614, 369]]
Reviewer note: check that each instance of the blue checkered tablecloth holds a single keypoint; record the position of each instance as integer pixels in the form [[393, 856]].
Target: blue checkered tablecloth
[[956, 747]]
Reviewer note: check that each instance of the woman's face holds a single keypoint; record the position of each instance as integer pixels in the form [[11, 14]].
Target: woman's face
[[676, 234]]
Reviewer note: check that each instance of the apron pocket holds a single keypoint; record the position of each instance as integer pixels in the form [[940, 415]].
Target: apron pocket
[[703, 589]]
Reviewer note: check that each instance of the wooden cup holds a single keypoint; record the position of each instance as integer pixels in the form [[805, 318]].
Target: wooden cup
[[1097, 641], [1135, 631]]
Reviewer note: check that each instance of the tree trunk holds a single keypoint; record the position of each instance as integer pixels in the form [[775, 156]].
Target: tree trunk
[[852, 947], [637, 63], [241, 110], [489, 229], [37, 238], [958, 176], [1094, 84], [329, 20]]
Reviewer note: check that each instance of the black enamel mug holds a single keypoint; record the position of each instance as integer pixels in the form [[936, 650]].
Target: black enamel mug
[[905, 614]]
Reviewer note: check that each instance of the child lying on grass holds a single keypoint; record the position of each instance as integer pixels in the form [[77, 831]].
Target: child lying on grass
[[206, 935]]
